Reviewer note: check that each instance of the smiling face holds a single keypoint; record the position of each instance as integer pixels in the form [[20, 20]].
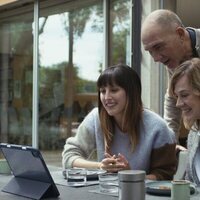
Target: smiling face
[[165, 46], [187, 100], [114, 100]]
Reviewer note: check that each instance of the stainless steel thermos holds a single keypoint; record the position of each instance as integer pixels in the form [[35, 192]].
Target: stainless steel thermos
[[131, 185]]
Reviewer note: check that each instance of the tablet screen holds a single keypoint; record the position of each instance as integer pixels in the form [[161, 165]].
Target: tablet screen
[[27, 162]]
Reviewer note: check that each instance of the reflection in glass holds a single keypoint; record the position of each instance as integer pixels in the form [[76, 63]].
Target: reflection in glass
[[16, 64], [70, 49], [120, 37]]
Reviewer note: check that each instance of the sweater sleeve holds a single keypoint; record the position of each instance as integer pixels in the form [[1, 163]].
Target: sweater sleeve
[[79, 146], [192, 145], [172, 114], [163, 162]]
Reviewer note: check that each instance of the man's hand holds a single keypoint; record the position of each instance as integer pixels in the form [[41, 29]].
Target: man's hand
[[180, 148]]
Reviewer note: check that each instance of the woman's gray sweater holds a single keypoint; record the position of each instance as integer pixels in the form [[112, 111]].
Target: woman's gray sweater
[[155, 152]]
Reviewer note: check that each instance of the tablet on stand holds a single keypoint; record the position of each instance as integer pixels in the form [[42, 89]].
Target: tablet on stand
[[31, 177]]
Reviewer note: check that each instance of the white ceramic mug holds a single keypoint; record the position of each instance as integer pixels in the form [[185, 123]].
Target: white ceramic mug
[[180, 190]]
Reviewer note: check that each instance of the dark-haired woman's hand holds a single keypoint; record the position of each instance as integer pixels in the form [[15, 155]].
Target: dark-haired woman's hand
[[114, 163], [122, 159]]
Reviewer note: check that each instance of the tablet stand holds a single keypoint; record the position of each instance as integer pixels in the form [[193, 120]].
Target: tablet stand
[[28, 188]]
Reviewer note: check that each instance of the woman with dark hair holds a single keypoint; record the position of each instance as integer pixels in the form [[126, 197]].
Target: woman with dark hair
[[185, 86], [124, 134]]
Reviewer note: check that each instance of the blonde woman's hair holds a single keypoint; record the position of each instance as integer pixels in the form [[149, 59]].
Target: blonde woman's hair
[[190, 68]]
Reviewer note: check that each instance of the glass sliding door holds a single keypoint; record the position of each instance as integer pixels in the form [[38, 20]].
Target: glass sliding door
[[120, 31], [16, 65], [70, 60]]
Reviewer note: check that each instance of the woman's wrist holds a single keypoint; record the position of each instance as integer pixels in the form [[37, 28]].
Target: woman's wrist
[[100, 166]]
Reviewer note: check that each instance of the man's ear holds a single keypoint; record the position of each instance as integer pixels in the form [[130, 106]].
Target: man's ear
[[181, 32]]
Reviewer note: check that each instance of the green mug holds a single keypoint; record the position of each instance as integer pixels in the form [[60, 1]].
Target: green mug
[[4, 167], [180, 190]]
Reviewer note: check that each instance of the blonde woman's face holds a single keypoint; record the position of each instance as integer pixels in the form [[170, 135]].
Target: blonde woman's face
[[187, 100]]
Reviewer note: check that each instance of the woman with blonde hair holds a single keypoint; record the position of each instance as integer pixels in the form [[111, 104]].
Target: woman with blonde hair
[[185, 86]]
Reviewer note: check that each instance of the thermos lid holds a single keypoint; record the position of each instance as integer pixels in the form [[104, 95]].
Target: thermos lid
[[131, 175]]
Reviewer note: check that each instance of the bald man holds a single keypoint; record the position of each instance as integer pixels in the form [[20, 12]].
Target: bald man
[[170, 43]]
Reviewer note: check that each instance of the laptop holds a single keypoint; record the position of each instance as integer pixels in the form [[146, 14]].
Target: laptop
[[31, 177]]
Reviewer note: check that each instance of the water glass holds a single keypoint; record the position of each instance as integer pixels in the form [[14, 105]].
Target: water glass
[[78, 175], [108, 182]]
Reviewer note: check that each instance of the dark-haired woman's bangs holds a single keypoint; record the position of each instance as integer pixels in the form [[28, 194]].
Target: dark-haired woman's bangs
[[105, 79]]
